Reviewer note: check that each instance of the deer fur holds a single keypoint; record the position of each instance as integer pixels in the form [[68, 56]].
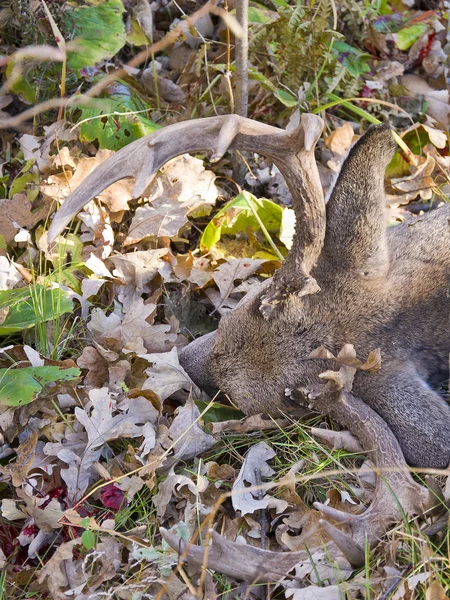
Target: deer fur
[[380, 287]]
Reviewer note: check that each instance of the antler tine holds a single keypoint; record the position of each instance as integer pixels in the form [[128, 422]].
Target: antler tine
[[241, 561], [395, 492], [292, 152], [349, 548]]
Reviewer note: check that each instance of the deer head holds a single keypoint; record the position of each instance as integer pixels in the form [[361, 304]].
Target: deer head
[[347, 279]]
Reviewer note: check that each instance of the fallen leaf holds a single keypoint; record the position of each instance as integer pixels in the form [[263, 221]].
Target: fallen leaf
[[436, 592], [232, 270], [331, 592], [438, 106], [166, 376], [341, 139], [138, 268], [132, 330], [18, 212], [113, 497], [338, 439], [83, 445], [189, 438], [243, 498], [252, 423], [115, 197], [183, 188], [170, 489]]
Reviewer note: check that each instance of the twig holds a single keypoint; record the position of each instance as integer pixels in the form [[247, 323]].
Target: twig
[[241, 81], [95, 90]]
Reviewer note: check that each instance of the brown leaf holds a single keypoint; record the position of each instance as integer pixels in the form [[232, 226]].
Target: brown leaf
[[373, 362], [189, 438], [338, 439], [18, 212], [166, 376], [436, 592], [244, 498], [438, 106], [235, 269], [25, 457], [184, 188], [341, 139], [93, 361], [321, 352], [139, 268], [167, 89], [115, 197]]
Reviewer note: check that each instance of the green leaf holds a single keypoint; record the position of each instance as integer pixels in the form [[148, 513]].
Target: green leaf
[[88, 539], [257, 15], [26, 181], [286, 98], [21, 86], [114, 131], [353, 59], [406, 37], [416, 140], [21, 386], [99, 33], [25, 307], [236, 217], [219, 412], [283, 96]]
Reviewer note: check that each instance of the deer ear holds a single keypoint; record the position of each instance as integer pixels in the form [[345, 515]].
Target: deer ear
[[196, 357], [355, 228]]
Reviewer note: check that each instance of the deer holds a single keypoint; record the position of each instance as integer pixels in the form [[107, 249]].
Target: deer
[[349, 281]]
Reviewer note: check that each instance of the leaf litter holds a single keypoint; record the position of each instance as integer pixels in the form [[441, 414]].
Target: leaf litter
[[93, 466]]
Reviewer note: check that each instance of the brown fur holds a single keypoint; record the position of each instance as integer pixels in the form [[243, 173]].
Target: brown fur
[[381, 288]]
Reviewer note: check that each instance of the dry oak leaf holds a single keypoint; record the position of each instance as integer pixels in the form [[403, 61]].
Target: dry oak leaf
[[436, 592], [420, 182], [115, 197], [60, 572], [18, 212], [338, 439], [341, 139], [132, 330], [139, 268], [166, 376], [170, 490], [46, 515], [71, 578], [83, 446], [165, 88], [184, 188], [323, 567], [97, 367], [26, 452], [252, 423], [189, 439], [438, 100], [331, 592], [243, 498], [235, 269], [9, 275]]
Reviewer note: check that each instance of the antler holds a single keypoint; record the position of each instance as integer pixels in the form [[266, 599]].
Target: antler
[[292, 152], [396, 493]]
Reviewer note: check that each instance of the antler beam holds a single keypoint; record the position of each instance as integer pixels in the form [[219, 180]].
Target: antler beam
[[292, 152]]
